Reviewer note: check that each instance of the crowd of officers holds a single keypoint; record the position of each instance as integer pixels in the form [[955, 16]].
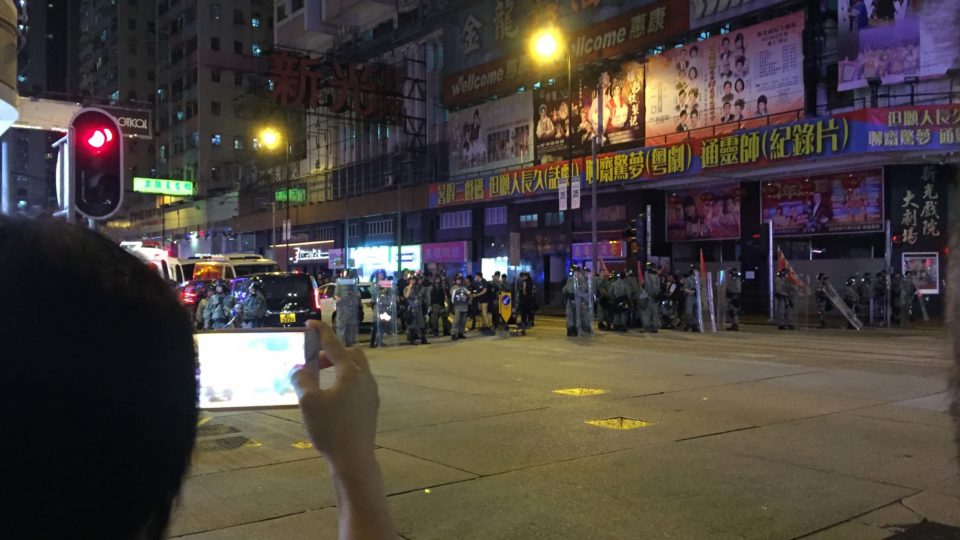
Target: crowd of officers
[[865, 295], [435, 304], [218, 308], [655, 300]]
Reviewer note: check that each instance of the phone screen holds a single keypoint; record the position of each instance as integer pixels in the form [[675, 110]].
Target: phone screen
[[251, 369]]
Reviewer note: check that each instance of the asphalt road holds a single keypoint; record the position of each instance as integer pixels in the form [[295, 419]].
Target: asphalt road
[[756, 434]]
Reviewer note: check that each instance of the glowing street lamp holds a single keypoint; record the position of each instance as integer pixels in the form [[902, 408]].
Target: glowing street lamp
[[271, 139], [546, 45]]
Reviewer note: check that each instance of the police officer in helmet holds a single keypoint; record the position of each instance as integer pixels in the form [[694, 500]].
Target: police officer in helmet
[[734, 288]]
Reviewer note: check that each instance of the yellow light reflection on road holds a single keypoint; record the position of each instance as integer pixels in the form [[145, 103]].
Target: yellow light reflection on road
[[580, 391], [619, 423]]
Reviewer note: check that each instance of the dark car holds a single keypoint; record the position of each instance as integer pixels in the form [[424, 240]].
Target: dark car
[[292, 298]]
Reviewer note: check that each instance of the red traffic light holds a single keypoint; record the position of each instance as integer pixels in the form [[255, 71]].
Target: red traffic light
[[97, 138], [97, 169]]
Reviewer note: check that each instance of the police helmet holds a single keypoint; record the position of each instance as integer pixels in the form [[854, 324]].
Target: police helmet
[[851, 280], [574, 268], [734, 272], [254, 286], [821, 277]]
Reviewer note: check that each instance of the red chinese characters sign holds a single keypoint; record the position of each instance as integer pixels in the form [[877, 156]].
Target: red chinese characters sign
[[368, 90]]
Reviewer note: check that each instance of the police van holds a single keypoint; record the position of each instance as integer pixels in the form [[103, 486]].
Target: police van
[[169, 268], [230, 266]]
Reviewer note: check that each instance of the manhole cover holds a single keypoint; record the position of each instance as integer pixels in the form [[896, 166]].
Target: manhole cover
[[580, 391], [211, 430], [219, 445], [929, 530], [619, 422]]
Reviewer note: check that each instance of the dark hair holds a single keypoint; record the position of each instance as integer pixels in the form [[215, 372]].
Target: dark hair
[[683, 113], [740, 82], [726, 39], [725, 83], [100, 383], [740, 60], [739, 103], [762, 99]]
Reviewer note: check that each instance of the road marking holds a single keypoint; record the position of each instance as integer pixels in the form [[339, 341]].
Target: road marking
[[252, 444], [302, 445], [580, 391], [204, 420], [619, 423]]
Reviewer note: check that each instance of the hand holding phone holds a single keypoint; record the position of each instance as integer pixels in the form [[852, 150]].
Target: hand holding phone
[[342, 420]]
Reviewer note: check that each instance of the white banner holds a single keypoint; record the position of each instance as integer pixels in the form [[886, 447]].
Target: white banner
[[562, 192], [575, 194]]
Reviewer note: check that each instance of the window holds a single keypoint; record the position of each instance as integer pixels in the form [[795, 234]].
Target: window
[[238, 17], [215, 107], [281, 12], [495, 216], [237, 78], [325, 233], [255, 21], [528, 221], [238, 143], [215, 139], [215, 75], [456, 220], [132, 24], [238, 110], [354, 229], [255, 49], [380, 226], [215, 44], [553, 219], [215, 12], [238, 47]]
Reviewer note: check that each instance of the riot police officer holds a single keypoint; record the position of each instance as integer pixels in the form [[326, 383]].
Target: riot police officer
[[416, 325], [570, 299], [880, 295], [734, 288], [460, 299], [691, 323], [622, 302], [896, 297], [219, 306], [254, 306], [823, 299], [605, 301], [652, 289], [851, 297], [783, 297], [439, 302]]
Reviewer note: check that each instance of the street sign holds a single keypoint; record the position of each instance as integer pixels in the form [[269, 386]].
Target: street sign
[[575, 193], [163, 186], [297, 195]]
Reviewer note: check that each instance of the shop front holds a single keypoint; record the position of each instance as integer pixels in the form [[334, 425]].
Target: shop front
[[368, 260], [448, 257]]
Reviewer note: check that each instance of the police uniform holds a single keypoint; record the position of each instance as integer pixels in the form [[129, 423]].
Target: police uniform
[[218, 309], [460, 299], [570, 300], [605, 303], [851, 296], [415, 321], [690, 303], [652, 289], [585, 304], [783, 297], [622, 304], [254, 308], [734, 288], [823, 299]]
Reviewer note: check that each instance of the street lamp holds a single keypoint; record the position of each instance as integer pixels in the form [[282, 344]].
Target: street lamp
[[546, 46], [271, 138]]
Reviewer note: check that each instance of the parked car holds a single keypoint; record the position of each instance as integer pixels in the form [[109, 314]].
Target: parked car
[[292, 298], [328, 304]]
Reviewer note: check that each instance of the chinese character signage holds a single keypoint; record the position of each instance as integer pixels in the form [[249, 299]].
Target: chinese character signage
[[919, 205], [163, 186], [606, 250], [368, 90], [495, 134], [446, 252], [743, 79], [622, 102], [933, 128], [703, 214], [496, 68], [892, 40], [833, 203]]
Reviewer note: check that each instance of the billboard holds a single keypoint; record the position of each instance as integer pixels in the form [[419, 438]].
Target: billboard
[[925, 270], [492, 135], [892, 40], [826, 204], [707, 12], [704, 214], [622, 101], [743, 79]]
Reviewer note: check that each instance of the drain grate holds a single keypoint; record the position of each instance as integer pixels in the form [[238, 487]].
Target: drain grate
[[929, 530], [219, 445], [620, 423], [212, 430]]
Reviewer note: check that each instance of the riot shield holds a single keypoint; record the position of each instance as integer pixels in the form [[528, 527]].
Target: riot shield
[[710, 304], [699, 307], [919, 298], [346, 318], [583, 298], [842, 306], [722, 302], [384, 331]]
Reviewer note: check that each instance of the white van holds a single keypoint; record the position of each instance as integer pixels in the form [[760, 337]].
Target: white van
[[170, 268], [230, 266]]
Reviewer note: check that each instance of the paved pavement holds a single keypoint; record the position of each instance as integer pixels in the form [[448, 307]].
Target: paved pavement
[[757, 434]]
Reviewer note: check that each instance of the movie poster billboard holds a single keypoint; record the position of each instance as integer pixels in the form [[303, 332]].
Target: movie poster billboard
[[891, 40], [622, 103], [704, 214], [825, 204], [746, 78], [925, 270], [493, 135]]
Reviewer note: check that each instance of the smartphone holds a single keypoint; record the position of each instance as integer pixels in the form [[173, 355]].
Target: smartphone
[[250, 368]]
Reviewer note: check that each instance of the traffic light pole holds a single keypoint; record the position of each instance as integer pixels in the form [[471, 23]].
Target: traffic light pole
[[5, 176], [65, 189]]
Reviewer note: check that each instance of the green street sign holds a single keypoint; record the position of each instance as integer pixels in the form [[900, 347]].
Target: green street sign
[[163, 186], [297, 195]]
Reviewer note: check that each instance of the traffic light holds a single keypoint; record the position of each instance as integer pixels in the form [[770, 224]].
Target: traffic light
[[97, 148]]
